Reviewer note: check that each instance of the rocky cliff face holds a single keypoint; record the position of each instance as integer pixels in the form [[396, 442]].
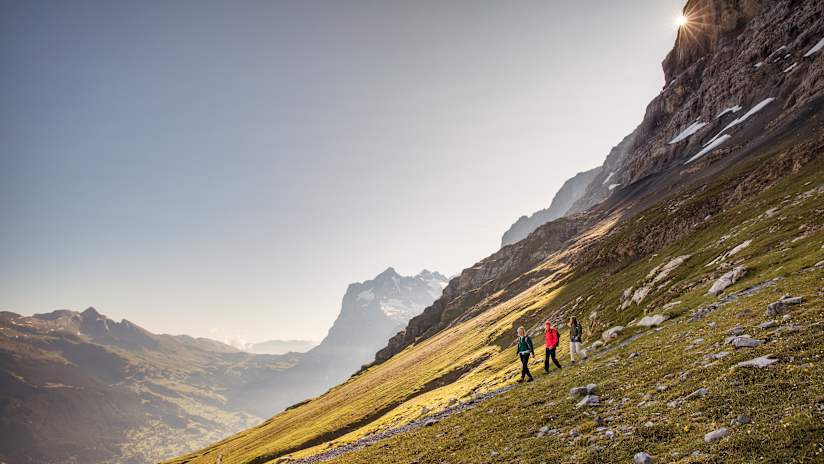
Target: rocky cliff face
[[737, 64], [502, 270], [371, 312], [570, 192], [739, 68]]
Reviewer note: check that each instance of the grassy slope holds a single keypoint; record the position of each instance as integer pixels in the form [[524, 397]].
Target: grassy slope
[[782, 401], [395, 392]]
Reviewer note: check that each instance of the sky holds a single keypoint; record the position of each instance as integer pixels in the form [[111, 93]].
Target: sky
[[226, 169]]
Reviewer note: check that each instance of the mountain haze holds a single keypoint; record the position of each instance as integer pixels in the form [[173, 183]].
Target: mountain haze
[[694, 260], [572, 190]]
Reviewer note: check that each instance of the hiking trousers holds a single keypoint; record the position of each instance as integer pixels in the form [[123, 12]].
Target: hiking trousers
[[550, 353], [525, 366], [575, 351]]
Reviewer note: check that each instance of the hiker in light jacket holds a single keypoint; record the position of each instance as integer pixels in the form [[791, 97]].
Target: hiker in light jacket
[[575, 335], [525, 348], [552, 339]]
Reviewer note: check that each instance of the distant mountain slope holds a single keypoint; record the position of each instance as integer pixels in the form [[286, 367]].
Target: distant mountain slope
[[80, 387], [570, 192], [280, 346], [371, 312], [696, 181]]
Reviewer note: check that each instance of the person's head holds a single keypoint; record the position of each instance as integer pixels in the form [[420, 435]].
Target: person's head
[[521, 331], [548, 325], [573, 321]]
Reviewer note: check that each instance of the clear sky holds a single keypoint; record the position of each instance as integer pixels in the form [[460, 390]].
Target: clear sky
[[227, 168]]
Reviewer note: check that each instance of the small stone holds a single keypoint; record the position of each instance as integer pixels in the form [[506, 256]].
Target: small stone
[[642, 458], [736, 331], [715, 435], [430, 422], [544, 429], [661, 387], [649, 424], [578, 392], [573, 433], [700, 393], [768, 324], [652, 321], [609, 434], [592, 388], [634, 354], [760, 362], [589, 400], [745, 341], [726, 280], [740, 420]]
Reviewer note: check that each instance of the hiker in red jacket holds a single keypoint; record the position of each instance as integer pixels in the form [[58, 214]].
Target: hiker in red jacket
[[552, 338]]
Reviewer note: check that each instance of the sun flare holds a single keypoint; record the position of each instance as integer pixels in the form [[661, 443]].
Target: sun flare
[[681, 20]]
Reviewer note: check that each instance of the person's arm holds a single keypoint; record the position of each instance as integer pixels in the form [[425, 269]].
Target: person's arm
[[531, 347]]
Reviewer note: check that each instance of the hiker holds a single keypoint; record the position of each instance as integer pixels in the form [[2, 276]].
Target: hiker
[[575, 334], [524, 348], [552, 339]]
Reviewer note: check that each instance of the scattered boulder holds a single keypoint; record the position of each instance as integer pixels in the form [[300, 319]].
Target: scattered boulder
[[759, 362], [700, 393], [589, 389], [715, 435], [589, 400], [642, 458], [736, 331], [768, 324], [612, 333], [430, 422], [745, 341], [740, 420], [726, 280], [781, 306], [652, 321]]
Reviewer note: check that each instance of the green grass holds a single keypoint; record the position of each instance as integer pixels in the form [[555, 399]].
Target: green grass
[[786, 425]]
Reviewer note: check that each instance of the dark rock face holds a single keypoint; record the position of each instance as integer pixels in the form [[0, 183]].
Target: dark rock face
[[570, 192], [371, 312], [734, 56], [732, 53], [501, 270]]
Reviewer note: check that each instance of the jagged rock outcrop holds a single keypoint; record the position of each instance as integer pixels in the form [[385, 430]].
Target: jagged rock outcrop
[[728, 61], [486, 277], [570, 192], [371, 312], [732, 57]]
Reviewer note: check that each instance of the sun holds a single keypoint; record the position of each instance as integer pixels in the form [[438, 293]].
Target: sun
[[681, 20]]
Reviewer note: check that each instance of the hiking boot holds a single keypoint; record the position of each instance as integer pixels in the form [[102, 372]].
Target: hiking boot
[[530, 380]]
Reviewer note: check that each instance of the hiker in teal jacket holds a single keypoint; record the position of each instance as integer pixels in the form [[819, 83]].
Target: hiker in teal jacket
[[525, 348]]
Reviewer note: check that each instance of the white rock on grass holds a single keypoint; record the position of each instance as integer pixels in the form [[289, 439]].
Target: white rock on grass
[[759, 362], [726, 280], [745, 341], [612, 333], [652, 321], [781, 306], [715, 435], [589, 389], [768, 324], [642, 458], [589, 400]]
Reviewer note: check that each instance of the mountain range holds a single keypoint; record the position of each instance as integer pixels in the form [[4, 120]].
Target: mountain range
[[78, 387], [693, 259]]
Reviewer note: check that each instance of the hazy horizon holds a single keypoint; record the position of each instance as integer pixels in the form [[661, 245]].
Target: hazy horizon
[[226, 170]]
